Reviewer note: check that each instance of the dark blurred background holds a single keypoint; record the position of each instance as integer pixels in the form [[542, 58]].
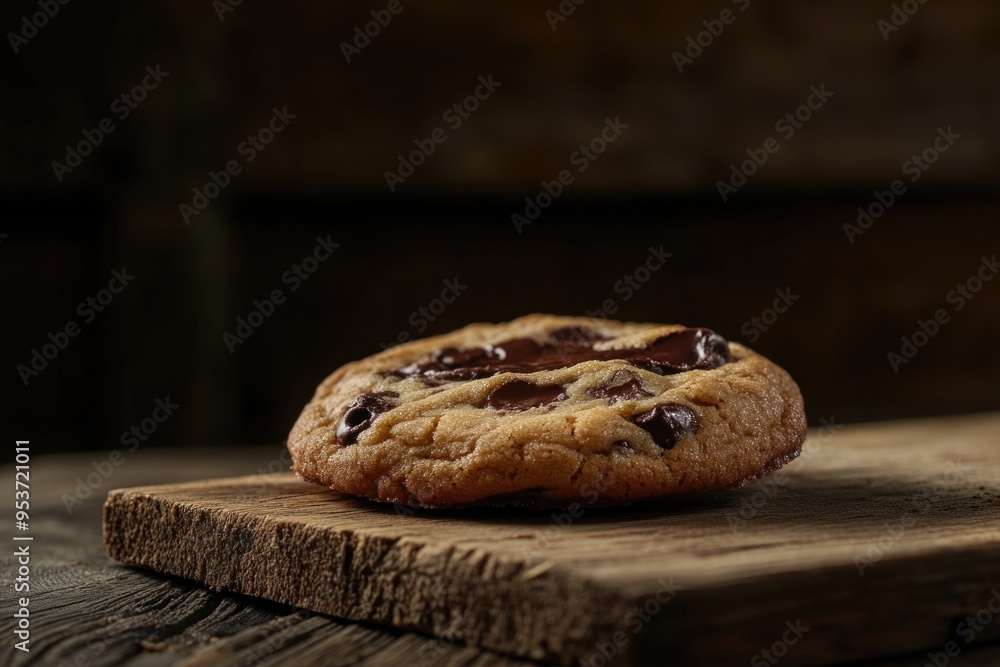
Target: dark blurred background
[[223, 68]]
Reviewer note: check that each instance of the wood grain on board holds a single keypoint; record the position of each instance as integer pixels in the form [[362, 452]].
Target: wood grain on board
[[878, 542]]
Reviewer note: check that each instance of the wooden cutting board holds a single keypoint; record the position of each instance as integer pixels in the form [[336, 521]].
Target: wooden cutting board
[[879, 541]]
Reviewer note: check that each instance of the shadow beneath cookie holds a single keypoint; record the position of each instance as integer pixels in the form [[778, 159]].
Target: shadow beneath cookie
[[582, 511], [827, 500]]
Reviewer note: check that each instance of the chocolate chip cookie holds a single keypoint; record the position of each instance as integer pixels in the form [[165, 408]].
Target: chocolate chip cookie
[[546, 411]]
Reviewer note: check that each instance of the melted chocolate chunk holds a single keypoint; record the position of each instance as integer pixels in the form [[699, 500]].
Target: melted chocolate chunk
[[523, 395], [684, 350], [361, 413], [668, 423], [623, 386]]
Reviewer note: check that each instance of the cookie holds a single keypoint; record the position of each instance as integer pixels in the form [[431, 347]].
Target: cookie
[[548, 411]]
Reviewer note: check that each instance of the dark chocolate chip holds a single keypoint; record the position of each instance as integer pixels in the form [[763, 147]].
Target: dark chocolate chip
[[668, 423], [361, 413], [687, 350], [522, 395]]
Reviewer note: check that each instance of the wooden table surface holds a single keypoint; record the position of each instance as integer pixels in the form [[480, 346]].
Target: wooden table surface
[[87, 610]]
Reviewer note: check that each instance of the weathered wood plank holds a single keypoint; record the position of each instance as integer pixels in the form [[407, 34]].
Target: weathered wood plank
[[89, 611], [880, 540]]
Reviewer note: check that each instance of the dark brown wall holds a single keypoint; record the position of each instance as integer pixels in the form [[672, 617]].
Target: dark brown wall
[[939, 69], [324, 175]]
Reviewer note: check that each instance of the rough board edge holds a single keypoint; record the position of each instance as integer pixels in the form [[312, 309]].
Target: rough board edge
[[458, 595], [467, 595], [903, 605]]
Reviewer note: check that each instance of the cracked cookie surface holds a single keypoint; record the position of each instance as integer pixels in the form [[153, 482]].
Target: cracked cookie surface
[[546, 411]]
